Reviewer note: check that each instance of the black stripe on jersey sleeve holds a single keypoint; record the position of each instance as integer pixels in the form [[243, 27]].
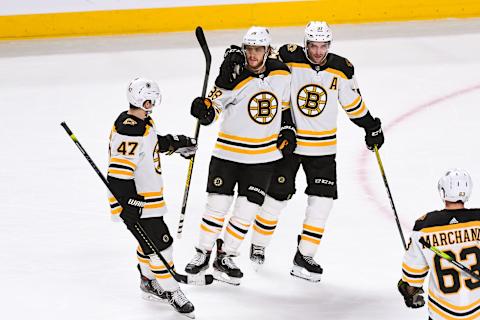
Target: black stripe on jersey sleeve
[[119, 166], [239, 144], [356, 107], [317, 138], [454, 313], [211, 223], [157, 199], [261, 225], [419, 276]]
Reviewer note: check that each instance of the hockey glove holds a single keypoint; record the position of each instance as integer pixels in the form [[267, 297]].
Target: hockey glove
[[412, 295], [132, 209], [181, 144], [233, 63], [287, 140], [374, 135], [202, 110]]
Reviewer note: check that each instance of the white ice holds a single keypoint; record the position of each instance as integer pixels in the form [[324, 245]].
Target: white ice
[[62, 257]]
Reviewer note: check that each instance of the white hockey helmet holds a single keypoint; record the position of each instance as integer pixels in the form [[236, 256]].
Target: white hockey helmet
[[455, 185], [141, 90], [258, 37], [318, 31]]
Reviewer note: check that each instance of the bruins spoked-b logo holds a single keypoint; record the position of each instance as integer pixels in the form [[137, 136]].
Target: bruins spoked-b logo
[[263, 107], [311, 100], [217, 182]]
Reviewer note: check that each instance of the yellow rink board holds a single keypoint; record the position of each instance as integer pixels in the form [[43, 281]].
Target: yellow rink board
[[230, 17]]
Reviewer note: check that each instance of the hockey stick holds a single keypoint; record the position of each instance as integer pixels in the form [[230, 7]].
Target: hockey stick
[[179, 277], [382, 171], [450, 259], [208, 61]]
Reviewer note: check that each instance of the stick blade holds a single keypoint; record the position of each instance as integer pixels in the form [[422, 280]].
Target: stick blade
[[203, 44]]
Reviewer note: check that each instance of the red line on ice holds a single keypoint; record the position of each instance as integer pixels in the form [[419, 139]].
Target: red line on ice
[[381, 201]]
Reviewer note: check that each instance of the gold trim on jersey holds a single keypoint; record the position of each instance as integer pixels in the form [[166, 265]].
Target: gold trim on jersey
[[153, 200], [412, 275], [279, 73], [452, 306], [121, 168], [414, 270], [242, 83], [451, 227], [309, 138], [245, 145], [445, 315], [337, 72]]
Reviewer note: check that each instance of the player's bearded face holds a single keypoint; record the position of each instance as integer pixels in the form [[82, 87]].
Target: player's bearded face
[[317, 51], [255, 56]]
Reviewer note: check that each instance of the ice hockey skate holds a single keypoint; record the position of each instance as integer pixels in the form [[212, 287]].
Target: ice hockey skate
[[224, 269], [257, 256], [305, 267], [180, 303], [151, 290], [197, 266]]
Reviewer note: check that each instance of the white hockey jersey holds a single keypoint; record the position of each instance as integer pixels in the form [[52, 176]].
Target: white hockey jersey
[[452, 294], [251, 110], [134, 154], [315, 91]]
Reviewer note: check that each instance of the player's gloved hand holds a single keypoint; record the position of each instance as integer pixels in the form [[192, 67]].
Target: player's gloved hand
[[181, 144], [412, 295], [202, 110], [374, 135], [132, 209], [287, 140], [233, 63]]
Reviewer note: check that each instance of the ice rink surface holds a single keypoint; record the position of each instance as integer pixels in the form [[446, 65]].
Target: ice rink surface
[[62, 257]]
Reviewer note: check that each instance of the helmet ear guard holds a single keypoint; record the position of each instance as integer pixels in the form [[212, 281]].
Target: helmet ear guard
[[455, 185], [141, 90]]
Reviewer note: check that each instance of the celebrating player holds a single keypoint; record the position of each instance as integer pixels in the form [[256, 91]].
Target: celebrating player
[[256, 124], [320, 79], [455, 230], [135, 175]]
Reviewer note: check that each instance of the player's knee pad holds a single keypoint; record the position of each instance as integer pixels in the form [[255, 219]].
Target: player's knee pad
[[272, 208], [245, 210], [318, 209], [218, 204]]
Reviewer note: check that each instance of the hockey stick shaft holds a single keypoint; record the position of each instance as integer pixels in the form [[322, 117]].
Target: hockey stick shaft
[[382, 171], [450, 259], [178, 277], [208, 61]]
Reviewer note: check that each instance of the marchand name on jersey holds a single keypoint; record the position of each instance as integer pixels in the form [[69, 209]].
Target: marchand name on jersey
[[452, 237]]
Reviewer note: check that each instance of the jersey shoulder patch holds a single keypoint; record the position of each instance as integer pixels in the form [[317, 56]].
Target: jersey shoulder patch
[[130, 125], [341, 64], [292, 53], [446, 217]]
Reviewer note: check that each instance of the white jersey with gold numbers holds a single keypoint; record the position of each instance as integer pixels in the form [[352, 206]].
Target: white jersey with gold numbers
[[315, 94], [452, 294], [251, 110], [134, 154]]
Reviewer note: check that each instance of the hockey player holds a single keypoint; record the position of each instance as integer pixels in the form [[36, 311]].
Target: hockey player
[[135, 175], [320, 79], [256, 124], [455, 230]]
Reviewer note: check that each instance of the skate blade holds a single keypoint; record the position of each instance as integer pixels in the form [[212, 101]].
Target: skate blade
[[190, 315], [151, 297], [223, 277], [303, 273]]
